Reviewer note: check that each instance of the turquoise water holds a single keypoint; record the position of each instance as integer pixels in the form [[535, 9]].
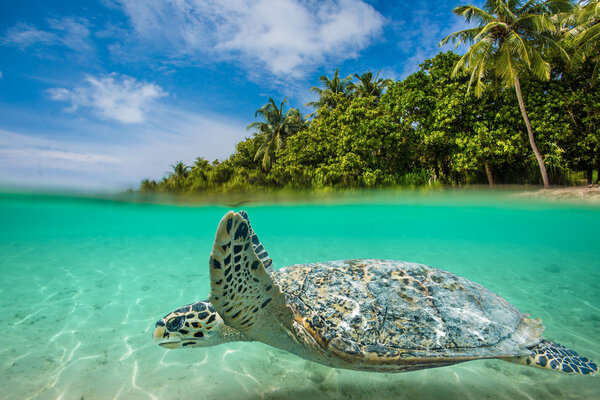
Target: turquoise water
[[83, 281]]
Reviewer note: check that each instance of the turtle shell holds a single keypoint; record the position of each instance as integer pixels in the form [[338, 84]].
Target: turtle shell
[[380, 309]]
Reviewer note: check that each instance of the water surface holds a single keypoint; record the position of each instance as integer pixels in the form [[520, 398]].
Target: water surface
[[82, 282]]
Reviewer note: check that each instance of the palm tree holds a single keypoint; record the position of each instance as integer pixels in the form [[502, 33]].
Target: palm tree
[[584, 35], [272, 133], [148, 185], [296, 121], [180, 170], [509, 40], [368, 86], [331, 87]]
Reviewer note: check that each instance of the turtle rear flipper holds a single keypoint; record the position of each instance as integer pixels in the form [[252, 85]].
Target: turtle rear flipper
[[242, 291], [555, 357]]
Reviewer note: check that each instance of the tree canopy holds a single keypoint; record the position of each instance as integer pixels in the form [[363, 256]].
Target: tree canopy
[[273, 131], [430, 128], [510, 40]]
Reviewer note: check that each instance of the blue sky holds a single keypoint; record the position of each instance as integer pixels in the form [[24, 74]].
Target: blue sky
[[99, 94]]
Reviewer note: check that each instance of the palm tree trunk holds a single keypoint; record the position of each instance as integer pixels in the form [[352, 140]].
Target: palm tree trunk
[[488, 172], [530, 133]]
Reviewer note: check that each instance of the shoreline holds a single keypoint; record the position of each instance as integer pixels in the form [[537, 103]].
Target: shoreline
[[588, 194]]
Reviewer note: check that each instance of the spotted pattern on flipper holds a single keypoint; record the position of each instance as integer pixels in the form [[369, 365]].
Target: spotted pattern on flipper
[[553, 356], [257, 245], [242, 291]]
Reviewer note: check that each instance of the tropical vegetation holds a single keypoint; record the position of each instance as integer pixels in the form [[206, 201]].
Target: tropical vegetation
[[272, 133], [520, 106]]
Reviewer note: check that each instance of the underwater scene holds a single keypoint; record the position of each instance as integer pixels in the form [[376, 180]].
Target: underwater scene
[[83, 281]]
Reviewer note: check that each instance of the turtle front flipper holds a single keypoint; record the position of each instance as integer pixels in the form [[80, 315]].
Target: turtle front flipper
[[257, 246], [555, 357], [242, 291]]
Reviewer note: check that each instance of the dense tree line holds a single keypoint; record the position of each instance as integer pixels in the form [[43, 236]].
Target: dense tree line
[[520, 106]]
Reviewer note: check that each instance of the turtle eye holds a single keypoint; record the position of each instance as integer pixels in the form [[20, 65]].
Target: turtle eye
[[175, 323]]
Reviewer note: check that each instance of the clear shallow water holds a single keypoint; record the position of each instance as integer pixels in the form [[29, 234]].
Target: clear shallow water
[[82, 283]]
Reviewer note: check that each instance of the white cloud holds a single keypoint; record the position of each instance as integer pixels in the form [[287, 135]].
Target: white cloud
[[113, 96], [33, 160], [24, 35], [57, 155], [114, 157], [285, 36], [15, 145], [72, 33], [68, 32]]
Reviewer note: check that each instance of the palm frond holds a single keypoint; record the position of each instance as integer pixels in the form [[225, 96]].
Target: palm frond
[[472, 13], [587, 35], [559, 6], [530, 7], [478, 51], [280, 113], [516, 45], [586, 48], [266, 161], [461, 64], [539, 66], [503, 11], [535, 23], [255, 125], [480, 87], [585, 41], [279, 142], [510, 38], [326, 81], [471, 79], [589, 12], [489, 27], [506, 66], [514, 4], [558, 48], [313, 104], [466, 35], [261, 151], [476, 74]]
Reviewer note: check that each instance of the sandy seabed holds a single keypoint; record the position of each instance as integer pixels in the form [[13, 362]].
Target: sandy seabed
[[86, 334], [588, 194]]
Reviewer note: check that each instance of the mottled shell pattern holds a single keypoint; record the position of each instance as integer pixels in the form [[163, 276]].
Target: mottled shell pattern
[[388, 309]]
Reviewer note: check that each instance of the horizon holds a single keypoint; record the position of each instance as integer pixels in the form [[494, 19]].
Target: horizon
[[98, 95]]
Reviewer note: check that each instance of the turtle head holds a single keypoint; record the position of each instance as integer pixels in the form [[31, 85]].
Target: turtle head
[[194, 325]]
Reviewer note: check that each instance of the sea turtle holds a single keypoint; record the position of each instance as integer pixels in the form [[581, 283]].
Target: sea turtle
[[370, 315]]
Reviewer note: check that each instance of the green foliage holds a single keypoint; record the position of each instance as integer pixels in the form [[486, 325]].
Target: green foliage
[[355, 144], [424, 130], [510, 40], [332, 88], [272, 133], [368, 86], [583, 34], [568, 111]]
